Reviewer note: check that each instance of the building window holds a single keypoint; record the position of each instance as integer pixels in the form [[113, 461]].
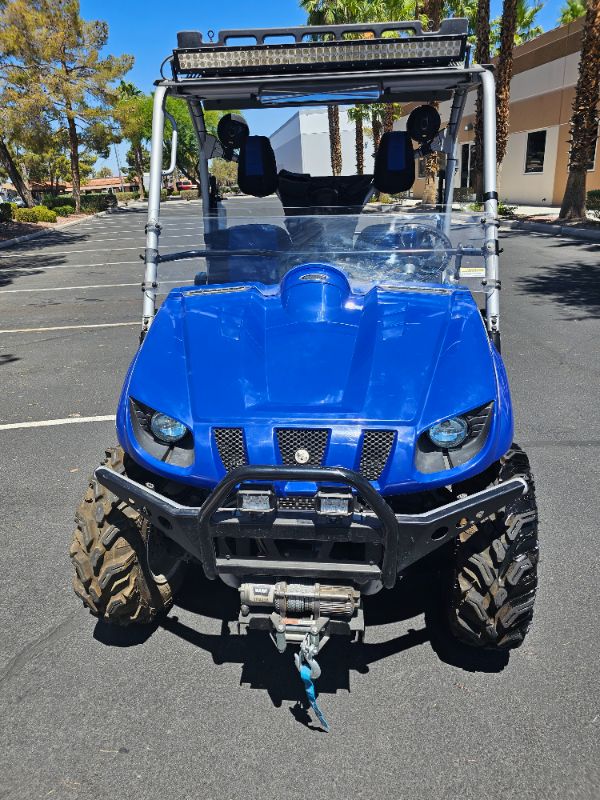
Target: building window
[[467, 164], [536, 148]]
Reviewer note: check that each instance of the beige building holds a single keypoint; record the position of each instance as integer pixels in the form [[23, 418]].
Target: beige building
[[534, 170]]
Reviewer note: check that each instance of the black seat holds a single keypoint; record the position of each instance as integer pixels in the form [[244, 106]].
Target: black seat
[[257, 169], [301, 193], [232, 268], [394, 163]]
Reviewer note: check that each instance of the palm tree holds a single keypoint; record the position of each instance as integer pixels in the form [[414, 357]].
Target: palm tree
[[526, 22], [332, 12], [359, 115], [584, 121], [433, 9], [508, 28], [572, 10], [482, 56]]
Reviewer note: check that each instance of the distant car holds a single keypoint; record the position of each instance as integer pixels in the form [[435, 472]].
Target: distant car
[[185, 185], [18, 201]]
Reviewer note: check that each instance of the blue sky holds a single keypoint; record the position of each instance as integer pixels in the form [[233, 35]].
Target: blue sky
[[147, 29]]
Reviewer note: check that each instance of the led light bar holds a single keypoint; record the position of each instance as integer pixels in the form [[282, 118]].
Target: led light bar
[[321, 56]]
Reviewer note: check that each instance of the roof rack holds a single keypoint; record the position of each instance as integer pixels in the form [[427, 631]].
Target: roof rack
[[321, 49]]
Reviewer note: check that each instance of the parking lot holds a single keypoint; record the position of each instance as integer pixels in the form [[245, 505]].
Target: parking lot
[[182, 711]]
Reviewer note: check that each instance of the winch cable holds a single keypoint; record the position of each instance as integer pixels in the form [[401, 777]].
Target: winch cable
[[309, 671]]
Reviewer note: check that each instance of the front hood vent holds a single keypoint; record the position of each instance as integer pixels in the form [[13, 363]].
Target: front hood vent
[[304, 446]]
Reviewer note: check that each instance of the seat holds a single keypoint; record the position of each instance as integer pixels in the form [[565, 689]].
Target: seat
[[394, 163], [233, 268]]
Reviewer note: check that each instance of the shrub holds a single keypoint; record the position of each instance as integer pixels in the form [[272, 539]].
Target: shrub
[[95, 203], [35, 214], [54, 200], [189, 194], [125, 197], [63, 211], [593, 203], [6, 212]]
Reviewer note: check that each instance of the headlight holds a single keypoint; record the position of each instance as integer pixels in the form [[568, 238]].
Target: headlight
[[449, 433], [166, 428]]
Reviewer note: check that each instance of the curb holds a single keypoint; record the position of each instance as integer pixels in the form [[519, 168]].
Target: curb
[[45, 231], [587, 235]]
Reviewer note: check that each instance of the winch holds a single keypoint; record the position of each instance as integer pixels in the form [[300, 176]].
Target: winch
[[301, 599]]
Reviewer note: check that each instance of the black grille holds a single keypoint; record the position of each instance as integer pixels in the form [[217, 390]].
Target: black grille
[[314, 441], [296, 503], [376, 449], [478, 419], [230, 443], [143, 414]]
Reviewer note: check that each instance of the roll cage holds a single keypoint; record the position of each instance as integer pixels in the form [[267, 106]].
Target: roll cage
[[394, 62]]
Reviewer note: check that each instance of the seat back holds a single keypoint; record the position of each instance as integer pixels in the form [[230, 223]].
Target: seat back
[[232, 268], [394, 163], [257, 170]]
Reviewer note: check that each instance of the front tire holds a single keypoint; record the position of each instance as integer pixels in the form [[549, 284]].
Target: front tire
[[494, 576], [125, 573]]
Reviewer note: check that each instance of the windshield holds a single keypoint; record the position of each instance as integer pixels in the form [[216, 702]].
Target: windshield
[[373, 247]]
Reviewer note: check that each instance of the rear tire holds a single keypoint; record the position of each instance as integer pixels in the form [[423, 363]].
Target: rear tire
[[494, 577], [125, 572]]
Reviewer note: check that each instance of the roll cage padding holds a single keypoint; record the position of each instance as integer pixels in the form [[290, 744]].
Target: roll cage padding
[[257, 169], [394, 163]]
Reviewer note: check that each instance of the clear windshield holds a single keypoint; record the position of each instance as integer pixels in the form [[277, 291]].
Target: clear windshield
[[373, 247]]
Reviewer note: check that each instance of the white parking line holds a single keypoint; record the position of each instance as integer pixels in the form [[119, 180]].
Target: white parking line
[[69, 266], [70, 327], [73, 288], [91, 249], [11, 426], [96, 265]]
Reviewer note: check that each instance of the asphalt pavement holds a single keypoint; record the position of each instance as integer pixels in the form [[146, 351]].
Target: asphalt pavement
[[183, 711]]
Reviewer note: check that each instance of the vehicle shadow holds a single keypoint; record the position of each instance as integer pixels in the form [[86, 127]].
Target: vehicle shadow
[[574, 286], [264, 668]]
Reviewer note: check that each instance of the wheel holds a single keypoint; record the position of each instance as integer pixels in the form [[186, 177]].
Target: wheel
[[494, 575], [125, 571]]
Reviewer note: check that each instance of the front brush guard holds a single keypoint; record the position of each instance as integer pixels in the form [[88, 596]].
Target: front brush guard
[[405, 538]]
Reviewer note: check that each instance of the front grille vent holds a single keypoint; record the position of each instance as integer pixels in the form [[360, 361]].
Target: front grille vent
[[376, 449], [232, 450], [478, 419], [293, 440], [296, 503]]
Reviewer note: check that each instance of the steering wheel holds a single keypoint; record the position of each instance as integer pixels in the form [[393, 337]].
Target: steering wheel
[[431, 245]]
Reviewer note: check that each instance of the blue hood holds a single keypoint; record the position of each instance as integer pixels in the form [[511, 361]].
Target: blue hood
[[313, 352]]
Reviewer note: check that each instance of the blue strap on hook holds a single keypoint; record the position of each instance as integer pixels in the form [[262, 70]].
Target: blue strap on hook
[[309, 688]]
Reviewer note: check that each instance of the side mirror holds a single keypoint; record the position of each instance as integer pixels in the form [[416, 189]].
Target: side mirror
[[423, 124]]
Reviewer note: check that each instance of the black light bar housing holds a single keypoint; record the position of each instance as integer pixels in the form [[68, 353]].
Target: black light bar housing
[[322, 49]]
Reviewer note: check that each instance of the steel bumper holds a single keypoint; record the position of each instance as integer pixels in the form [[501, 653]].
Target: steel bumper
[[404, 538]]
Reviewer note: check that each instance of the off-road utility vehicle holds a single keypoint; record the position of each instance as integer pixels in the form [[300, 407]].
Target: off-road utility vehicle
[[320, 403]]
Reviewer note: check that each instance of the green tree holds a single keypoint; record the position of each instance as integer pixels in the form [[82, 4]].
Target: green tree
[[103, 172], [331, 12], [224, 171], [359, 114], [584, 120], [572, 10], [52, 57], [508, 29], [133, 112], [526, 27]]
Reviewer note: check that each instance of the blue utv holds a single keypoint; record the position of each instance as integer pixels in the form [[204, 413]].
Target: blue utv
[[320, 402]]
